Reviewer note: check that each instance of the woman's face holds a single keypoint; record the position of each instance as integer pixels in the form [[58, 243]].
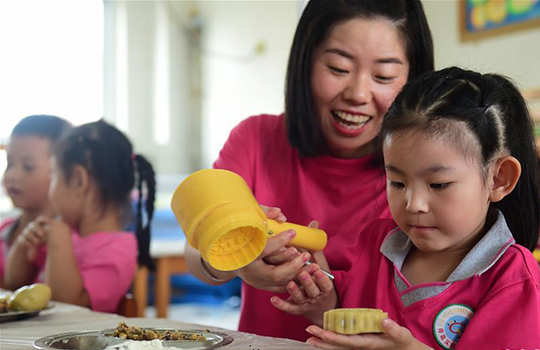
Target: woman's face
[[356, 74]]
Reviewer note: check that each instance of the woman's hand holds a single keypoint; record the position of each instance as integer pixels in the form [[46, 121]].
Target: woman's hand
[[278, 264], [395, 337], [274, 277]]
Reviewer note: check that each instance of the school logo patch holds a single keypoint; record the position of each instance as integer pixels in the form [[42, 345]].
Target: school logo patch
[[450, 323]]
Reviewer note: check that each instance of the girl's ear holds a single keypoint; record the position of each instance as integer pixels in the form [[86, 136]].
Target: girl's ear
[[79, 179], [506, 172]]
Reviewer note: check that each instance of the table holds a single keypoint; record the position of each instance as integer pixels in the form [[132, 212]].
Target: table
[[62, 318], [169, 258]]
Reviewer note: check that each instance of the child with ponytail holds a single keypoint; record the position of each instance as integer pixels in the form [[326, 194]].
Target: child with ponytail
[[455, 268], [90, 259]]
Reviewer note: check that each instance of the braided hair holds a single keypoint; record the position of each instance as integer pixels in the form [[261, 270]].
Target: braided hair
[[485, 117], [107, 155]]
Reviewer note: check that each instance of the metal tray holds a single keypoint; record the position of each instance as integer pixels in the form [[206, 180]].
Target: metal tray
[[21, 315], [98, 340]]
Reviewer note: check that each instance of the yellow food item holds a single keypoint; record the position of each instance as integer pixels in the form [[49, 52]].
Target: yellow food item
[[30, 298], [354, 321]]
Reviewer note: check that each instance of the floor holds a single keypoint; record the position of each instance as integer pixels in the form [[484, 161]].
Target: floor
[[223, 316]]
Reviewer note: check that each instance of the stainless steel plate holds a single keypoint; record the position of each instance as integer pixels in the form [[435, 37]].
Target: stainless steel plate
[[98, 340], [21, 315]]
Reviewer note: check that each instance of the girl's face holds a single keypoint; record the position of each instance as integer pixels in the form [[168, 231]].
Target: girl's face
[[356, 75], [436, 195], [63, 196], [27, 175]]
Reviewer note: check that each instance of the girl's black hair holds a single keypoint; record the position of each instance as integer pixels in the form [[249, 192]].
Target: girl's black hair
[[47, 126], [461, 103], [107, 154], [318, 19]]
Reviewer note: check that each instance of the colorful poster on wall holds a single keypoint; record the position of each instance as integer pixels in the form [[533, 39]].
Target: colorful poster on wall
[[482, 18]]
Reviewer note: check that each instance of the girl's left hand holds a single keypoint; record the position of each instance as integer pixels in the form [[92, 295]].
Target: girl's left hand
[[56, 229], [396, 337]]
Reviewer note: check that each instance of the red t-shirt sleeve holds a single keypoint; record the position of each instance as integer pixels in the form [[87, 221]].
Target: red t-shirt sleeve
[[238, 153]]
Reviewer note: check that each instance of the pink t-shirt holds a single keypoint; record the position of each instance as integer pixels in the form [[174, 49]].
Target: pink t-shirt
[[107, 262], [5, 226], [490, 301], [341, 194]]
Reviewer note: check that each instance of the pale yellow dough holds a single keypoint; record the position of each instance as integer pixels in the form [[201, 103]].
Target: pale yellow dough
[[354, 321]]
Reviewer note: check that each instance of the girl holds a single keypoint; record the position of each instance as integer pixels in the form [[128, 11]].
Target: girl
[[26, 179], [457, 272], [348, 60], [90, 260]]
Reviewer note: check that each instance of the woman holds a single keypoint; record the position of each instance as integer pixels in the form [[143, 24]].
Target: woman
[[348, 61]]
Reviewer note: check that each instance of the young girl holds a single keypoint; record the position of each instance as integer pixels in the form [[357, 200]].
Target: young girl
[[90, 260], [26, 179], [457, 272]]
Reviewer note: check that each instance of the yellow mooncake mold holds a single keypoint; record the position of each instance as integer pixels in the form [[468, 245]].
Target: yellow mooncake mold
[[354, 321]]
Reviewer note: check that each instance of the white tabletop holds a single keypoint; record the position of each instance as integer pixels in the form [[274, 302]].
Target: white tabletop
[[64, 318]]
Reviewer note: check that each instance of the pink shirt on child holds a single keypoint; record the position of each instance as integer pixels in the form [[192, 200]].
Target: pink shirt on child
[[107, 262], [5, 226], [341, 194], [490, 301]]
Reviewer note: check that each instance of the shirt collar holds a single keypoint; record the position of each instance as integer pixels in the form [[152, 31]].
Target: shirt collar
[[482, 256]]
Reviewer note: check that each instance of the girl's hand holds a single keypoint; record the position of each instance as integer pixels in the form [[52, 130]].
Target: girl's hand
[[314, 295], [396, 337], [57, 231], [32, 236]]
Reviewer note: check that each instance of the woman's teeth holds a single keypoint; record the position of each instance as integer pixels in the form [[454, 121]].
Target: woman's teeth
[[351, 121]]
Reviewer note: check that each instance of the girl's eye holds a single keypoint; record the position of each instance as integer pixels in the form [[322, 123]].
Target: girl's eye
[[396, 184], [440, 186], [28, 168], [338, 70]]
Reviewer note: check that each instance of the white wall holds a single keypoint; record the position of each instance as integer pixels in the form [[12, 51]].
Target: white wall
[[236, 82], [216, 79], [216, 83], [147, 65], [515, 54]]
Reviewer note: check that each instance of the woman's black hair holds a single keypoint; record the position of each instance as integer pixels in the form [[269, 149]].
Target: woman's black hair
[[107, 154], [482, 115], [318, 19], [47, 126]]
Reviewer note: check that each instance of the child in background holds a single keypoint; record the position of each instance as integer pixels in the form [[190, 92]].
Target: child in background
[[457, 272], [90, 260], [26, 179]]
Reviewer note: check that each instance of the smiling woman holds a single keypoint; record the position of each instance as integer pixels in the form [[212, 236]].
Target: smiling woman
[[317, 160], [356, 74]]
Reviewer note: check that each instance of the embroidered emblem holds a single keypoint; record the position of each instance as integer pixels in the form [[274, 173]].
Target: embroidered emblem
[[450, 323]]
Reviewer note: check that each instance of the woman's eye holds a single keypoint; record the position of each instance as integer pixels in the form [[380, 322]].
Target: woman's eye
[[396, 184], [440, 186], [28, 168], [338, 70], [384, 78]]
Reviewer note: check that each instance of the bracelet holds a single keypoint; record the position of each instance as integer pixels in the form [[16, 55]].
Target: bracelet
[[206, 271]]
